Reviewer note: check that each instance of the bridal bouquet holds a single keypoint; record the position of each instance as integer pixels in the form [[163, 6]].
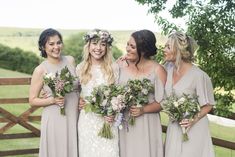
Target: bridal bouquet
[[60, 83], [137, 94], [185, 107], [106, 100]]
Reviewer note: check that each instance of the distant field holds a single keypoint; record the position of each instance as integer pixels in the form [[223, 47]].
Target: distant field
[[27, 38]]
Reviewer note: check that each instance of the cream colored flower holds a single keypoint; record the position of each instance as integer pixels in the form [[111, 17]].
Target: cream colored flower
[[181, 100], [176, 104], [50, 76]]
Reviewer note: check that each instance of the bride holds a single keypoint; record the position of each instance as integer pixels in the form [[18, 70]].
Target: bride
[[95, 69]]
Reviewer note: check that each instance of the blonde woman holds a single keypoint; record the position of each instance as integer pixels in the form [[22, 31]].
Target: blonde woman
[[95, 69], [185, 77]]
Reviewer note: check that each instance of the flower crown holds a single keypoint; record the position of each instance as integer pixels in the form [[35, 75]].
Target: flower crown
[[102, 35]]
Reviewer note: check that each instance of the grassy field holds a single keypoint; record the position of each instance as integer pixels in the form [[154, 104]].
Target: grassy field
[[218, 131], [27, 38]]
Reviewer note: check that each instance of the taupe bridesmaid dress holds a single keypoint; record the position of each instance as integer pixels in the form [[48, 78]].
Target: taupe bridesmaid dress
[[58, 132], [195, 81], [144, 139]]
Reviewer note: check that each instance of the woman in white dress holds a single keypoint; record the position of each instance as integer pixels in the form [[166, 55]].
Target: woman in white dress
[[185, 77], [95, 69]]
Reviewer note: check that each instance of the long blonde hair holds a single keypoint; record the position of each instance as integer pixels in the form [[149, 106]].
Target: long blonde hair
[[183, 47], [106, 65]]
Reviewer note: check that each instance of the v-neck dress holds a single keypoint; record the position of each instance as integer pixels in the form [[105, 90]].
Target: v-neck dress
[[195, 81], [144, 139]]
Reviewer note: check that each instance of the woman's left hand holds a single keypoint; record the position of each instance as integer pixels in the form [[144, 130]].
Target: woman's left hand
[[136, 111]]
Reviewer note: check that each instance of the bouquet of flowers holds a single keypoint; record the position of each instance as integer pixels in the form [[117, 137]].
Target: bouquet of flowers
[[185, 107], [60, 83], [106, 100], [137, 94]]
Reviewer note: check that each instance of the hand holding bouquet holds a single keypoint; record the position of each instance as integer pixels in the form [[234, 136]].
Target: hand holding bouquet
[[106, 100], [60, 83], [179, 109], [137, 94]]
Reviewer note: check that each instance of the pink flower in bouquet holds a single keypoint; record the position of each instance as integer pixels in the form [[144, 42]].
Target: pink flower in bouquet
[[60, 83], [59, 86]]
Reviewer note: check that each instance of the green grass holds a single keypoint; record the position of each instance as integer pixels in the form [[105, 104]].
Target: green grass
[[7, 73], [223, 152], [25, 43], [27, 39]]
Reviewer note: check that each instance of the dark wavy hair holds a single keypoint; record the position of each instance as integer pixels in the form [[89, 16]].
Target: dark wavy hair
[[43, 38], [145, 43]]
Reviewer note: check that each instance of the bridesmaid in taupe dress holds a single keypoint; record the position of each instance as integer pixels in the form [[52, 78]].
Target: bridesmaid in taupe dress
[[58, 132], [185, 77], [144, 139]]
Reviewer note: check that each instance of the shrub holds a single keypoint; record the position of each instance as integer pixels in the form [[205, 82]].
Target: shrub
[[18, 60]]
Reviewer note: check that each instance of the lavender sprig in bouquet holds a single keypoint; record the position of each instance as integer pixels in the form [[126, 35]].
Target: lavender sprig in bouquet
[[179, 108], [137, 94], [60, 83], [106, 100]]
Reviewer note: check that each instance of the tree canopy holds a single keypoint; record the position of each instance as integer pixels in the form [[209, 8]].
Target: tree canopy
[[212, 24]]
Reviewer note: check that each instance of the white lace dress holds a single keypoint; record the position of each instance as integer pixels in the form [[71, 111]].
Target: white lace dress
[[89, 124]]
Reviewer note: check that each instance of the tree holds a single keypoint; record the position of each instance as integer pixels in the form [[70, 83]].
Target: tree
[[212, 24], [74, 47]]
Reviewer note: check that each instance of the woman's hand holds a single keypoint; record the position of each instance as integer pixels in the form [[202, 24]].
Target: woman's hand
[[57, 100], [122, 58], [81, 104], [187, 123], [136, 111]]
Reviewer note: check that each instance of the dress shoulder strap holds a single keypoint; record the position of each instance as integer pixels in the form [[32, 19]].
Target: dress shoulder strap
[[45, 66]]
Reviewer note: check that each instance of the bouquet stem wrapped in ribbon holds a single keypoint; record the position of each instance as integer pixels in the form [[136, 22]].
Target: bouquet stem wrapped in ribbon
[[60, 84]]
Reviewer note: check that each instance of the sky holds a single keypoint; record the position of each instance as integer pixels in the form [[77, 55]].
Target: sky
[[77, 14]]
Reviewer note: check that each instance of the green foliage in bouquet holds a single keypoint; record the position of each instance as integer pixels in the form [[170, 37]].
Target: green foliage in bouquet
[[185, 107], [137, 94], [106, 100], [60, 84]]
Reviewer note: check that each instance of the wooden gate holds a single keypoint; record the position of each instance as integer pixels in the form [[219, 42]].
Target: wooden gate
[[10, 120], [24, 119]]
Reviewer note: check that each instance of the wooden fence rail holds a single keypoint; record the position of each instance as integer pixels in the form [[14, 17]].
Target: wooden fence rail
[[23, 119]]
